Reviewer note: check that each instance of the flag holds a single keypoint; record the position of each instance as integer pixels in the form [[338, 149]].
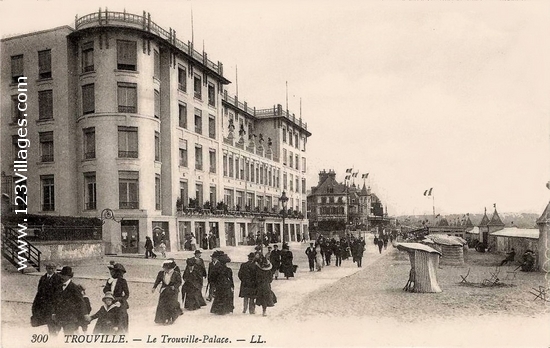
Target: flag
[[348, 177], [355, 174], [438, 215], [364, 176], [349, 170], [428, 192]]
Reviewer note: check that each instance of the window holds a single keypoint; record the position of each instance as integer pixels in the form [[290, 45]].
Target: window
[[278, 178], [284, 181], [228, 198], [198, 157], [211, 95], [291, 160], [182, 113], [237, 161], [184, 193], [89, 142], [213, 196], [296, 142], [303, 185], [157, 192], [303, 164], [284, 157], [45, 105], [88, 99], [197, 83], [297, 185], [291, 183], [198, 121], [289, 137], [45, 64], [224, 164], [127, 142], [212, 127], [247, 170], [230, 165], [127, 97], [241, 169], [128, 190], [16, 68], [269, 203], [249, 199], [48, 192], [90, 191], [182, 79], [284, 135], [183, 152], [156, 62], [126, 55], [157, 104], [252, 172], [212, 153], [46, 146], [240, 198], [296, 162], [157, 146], [198, 194], [16, 114], [88, 56], [14, 149]]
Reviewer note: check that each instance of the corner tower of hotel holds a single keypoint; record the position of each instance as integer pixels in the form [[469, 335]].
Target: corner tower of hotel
[[125, 117]]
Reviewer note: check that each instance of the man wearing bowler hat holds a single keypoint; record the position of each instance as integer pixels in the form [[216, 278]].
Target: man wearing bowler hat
[[70, 308], [214, 264], [43, 304]]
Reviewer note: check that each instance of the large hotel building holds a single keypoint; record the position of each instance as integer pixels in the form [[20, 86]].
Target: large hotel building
[[124, 117]]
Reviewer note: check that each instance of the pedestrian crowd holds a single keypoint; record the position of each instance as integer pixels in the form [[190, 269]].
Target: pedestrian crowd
[[63, 305]]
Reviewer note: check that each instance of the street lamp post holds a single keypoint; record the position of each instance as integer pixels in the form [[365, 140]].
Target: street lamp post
[[283, 200]]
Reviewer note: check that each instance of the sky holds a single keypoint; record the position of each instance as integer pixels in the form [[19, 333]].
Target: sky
[[449, 95]]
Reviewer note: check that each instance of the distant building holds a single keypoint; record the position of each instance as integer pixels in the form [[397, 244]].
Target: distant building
[[335, 207]]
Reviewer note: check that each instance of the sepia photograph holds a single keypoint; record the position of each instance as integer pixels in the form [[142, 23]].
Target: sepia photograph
[[275, 173]]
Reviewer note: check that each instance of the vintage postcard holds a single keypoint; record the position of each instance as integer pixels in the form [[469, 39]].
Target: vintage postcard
[[275, 173]]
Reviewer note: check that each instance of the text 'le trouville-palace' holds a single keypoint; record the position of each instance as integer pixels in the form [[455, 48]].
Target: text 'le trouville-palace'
[[122, 115]]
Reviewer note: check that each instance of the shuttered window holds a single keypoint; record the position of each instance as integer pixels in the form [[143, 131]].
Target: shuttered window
[[45, 64], [127, 97], [45, 105], [126, 55], [16, 67], [88, 99]]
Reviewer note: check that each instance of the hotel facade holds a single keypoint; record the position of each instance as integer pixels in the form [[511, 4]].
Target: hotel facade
[[130, 124]]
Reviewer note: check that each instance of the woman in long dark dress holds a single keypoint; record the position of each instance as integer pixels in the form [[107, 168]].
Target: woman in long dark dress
[[222, 282], [287, 268], [118, 286], [168, 308], [191, 291], [264, 295]]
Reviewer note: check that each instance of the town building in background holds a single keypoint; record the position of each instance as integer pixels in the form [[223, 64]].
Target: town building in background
[[336, 208], [124, 117]]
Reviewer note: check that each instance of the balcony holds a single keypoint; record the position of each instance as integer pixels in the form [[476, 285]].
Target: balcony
[[144, 23]]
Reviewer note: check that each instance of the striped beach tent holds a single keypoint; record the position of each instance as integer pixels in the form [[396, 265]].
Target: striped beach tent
[[424, 264]]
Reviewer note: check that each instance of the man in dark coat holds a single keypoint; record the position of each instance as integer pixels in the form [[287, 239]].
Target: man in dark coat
[[310, 252], [357, 250], [70, 309], [44, 301], [212, 268], [247, 275], [275, 259]]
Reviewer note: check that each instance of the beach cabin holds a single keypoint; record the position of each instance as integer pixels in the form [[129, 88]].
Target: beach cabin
[[424, 263], [451, 248]]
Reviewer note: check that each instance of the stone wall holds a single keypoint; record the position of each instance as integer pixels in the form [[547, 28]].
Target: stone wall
[[70, 250]]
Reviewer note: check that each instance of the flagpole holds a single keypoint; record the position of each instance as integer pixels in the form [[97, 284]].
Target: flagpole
[[433, 206]]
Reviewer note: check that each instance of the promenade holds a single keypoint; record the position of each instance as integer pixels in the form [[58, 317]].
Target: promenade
[[337, 307]]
